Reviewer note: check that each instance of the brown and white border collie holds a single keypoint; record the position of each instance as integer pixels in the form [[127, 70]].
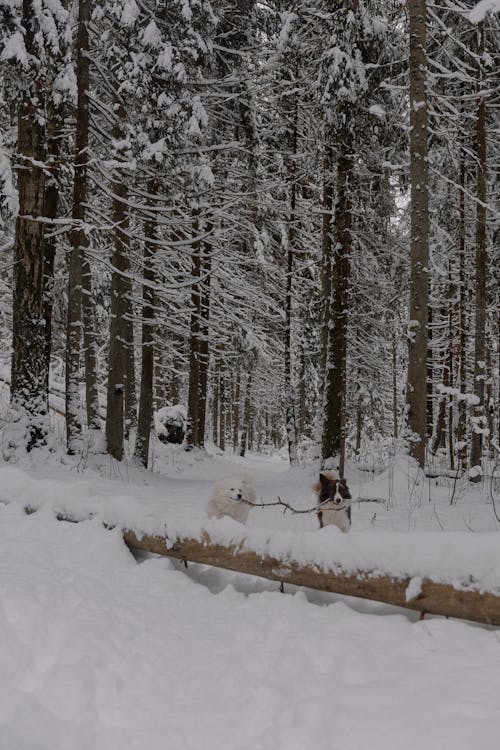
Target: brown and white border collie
[[334, 501]]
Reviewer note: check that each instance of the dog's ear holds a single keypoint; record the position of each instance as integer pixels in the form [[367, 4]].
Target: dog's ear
[[324, 480]]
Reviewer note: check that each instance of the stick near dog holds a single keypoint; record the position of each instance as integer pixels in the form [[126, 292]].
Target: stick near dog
[[284, 505]]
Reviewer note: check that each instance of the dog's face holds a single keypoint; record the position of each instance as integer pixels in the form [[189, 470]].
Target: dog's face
[[235, 492], [333, 490]]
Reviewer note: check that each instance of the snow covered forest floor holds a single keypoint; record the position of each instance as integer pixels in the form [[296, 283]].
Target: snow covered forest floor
[[100, 649]]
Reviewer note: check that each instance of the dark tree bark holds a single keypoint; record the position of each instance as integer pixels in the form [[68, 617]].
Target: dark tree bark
[[90, 349], [326, 245], [192, 437], [115, 427], [236, 409], [159, 377], [333, 440], [141, 452], [247, 417], [198, 342], [204, 351], [480, 281], [130, 395], [430, 376], [290, 417], [462, 413], [215, 405], [174, 385], [78, 236], [29, 378], [419, 274], [222, 411], [394, 349], [55, 126], [303, 421]]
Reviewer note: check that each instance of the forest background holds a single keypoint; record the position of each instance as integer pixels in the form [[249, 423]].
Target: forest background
[[282, 215]]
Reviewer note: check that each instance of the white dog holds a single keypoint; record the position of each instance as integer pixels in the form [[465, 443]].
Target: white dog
[[227, 496]]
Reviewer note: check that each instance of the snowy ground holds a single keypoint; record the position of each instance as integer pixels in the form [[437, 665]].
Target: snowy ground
[[100, 651]]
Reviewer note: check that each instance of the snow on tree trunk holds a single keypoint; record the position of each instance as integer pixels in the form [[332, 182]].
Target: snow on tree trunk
[[419, 243], [130, 395], [336, 317], [55, 124], [78, 237], [236, 409], [29, 380], [115, 427], [141, 452], [290, 416], [247, 416], [194, 346], [222, 411], [203, 350], [462, 406], [215, 405], [90, 349], [478, 420]]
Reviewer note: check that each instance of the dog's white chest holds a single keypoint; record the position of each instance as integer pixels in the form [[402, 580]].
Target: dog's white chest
[[334, 517]]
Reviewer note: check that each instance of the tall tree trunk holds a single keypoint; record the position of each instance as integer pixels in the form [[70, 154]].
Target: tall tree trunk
[[359, 423], [29, 380], [290, 417], [204, 352], [462, 385], [115, 428], [174, 385], [479, 421], [394, 348], [159, 377], [215, 405], [222, 411], [192, 436], [430, 377], [334, 423], [446, 313], [55, 125], [451, 451], [327, 253], [199, 357], [80, 300], [236, 409], [90, 349], [141, 451], [130, 395], [78, 237], [419, 274], [247, 416], [302, 395]]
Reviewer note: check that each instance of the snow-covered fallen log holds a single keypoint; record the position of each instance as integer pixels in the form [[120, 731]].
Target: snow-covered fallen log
[[422, 595], [456, 573]]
